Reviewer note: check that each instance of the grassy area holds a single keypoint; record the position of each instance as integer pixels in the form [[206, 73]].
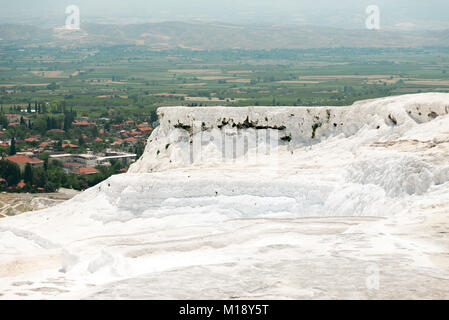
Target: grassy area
[[135, 80]]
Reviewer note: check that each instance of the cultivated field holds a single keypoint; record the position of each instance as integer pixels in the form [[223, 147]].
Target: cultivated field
[[136, 80]]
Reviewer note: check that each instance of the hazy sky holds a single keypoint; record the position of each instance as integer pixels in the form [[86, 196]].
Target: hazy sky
[[343, 13]]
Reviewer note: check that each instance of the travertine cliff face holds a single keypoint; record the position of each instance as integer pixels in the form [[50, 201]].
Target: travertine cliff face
[[203, 135]]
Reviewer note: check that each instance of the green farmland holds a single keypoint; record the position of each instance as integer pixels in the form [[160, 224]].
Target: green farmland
[[136, 80]]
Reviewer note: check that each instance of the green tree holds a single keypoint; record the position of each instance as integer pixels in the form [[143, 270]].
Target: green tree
[[28, 174], [81, 141], [139, 149], [3, 121], [40, 177], [12, 148], [40, 125], [10, 171]]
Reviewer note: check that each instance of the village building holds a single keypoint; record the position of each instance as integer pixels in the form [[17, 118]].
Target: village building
[[23, 160], [83, 124], [71, 166], [30, 140], [85, 171], [69, 145], [131, 141], [125, 158], [12, 117]]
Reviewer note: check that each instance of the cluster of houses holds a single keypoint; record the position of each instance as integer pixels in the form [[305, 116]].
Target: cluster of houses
[[81, 164], [117, 141], [84, 164]]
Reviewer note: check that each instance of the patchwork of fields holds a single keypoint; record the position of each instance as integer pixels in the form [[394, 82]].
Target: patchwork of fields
[[138, 80]]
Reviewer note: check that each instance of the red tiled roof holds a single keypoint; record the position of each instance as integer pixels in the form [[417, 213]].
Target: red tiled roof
[[45, 144], [18, 158], [132, 139], [31, 140], [98, 140], [21, 184], [85, 170], [64, 145], [83, 123]]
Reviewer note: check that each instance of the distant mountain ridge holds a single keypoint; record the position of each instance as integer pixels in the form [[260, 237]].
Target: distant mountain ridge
[[212, 36]]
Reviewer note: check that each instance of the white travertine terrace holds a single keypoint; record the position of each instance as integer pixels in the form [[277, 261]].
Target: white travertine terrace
[[253, 203], [181, 128]]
